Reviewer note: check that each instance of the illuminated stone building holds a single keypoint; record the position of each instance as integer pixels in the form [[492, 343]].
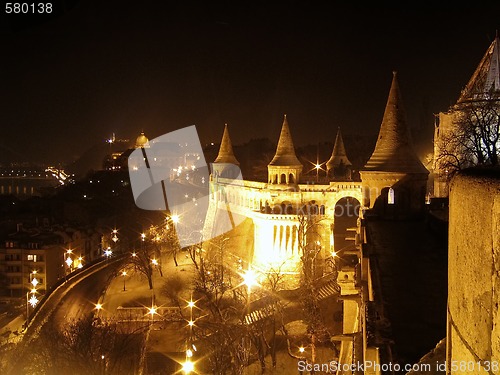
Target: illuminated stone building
[[393, 184], [277, 206]]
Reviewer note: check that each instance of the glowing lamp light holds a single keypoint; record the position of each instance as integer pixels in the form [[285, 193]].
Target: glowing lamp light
[[33, 301], [250, 278], [154, 261], [69, 261], [302, 349], [175, 218], [98, 306], [187, 367], [333, 253], [34, 282], [152, 310], [191, 304], [189, 353]]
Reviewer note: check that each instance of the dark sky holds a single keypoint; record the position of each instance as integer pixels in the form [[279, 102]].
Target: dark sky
[[96, 67]]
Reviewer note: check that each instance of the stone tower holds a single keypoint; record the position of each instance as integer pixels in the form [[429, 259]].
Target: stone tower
[[483, 87], [226, 165], [339, 167], [394, 180], [285, 168]]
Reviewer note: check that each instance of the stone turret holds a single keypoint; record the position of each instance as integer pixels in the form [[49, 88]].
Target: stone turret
[[285, 168], [394, 179], [339, 167], [226, 164]]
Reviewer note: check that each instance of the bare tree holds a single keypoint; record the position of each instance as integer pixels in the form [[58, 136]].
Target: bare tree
[[86, 346], [309, 243], [141, 260], [474, 139]]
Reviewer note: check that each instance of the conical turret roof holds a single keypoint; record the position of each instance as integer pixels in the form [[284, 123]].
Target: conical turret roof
[[485, 82], [338, 154], [226, 154], [393, 150], [285, 152]]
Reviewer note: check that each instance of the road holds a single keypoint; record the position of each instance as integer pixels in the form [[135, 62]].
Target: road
[[71, 301]]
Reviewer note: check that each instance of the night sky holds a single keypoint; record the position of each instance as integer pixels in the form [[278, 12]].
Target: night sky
[[94, 67]]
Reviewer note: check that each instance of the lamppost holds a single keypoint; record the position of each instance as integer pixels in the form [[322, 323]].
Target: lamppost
[[68, 261], [31, 300], [124, 273]]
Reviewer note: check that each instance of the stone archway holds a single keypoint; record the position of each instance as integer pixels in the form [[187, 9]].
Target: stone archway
[[346, 214]]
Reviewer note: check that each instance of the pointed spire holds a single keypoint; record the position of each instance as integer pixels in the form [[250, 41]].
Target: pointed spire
[[226, 154], [285, 152], [338, 154], [393, 150], [485, 81]]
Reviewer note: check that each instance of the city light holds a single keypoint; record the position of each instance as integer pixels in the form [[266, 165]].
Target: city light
[[187, 367], [98, 306], [33, 301], [250, 278], [175, 218]]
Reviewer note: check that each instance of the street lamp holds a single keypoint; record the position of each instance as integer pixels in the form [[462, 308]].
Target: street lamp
[[124, 273], [187, 367], [152, 312]]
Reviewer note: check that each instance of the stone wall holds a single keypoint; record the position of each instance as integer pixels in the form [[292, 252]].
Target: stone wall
[[474, 273]]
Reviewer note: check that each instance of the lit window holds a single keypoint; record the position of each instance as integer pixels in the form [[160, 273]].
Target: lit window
[[390, 196]]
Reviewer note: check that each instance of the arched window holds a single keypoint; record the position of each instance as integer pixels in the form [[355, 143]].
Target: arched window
[[390, 196], [291, 178]]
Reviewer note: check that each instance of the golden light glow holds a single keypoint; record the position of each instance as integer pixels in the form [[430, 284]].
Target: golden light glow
[[189, 353], [250, 278], [69, 261], [302, 349], [124, 273], [187, 367], [98, 306], [175, 218], [33, 301], [154, 261], [152, 310], [333, 253], [191, 323], [34, 282], [191, 304]]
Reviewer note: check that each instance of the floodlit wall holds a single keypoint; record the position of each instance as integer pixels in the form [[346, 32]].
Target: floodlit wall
[[473, 339]]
